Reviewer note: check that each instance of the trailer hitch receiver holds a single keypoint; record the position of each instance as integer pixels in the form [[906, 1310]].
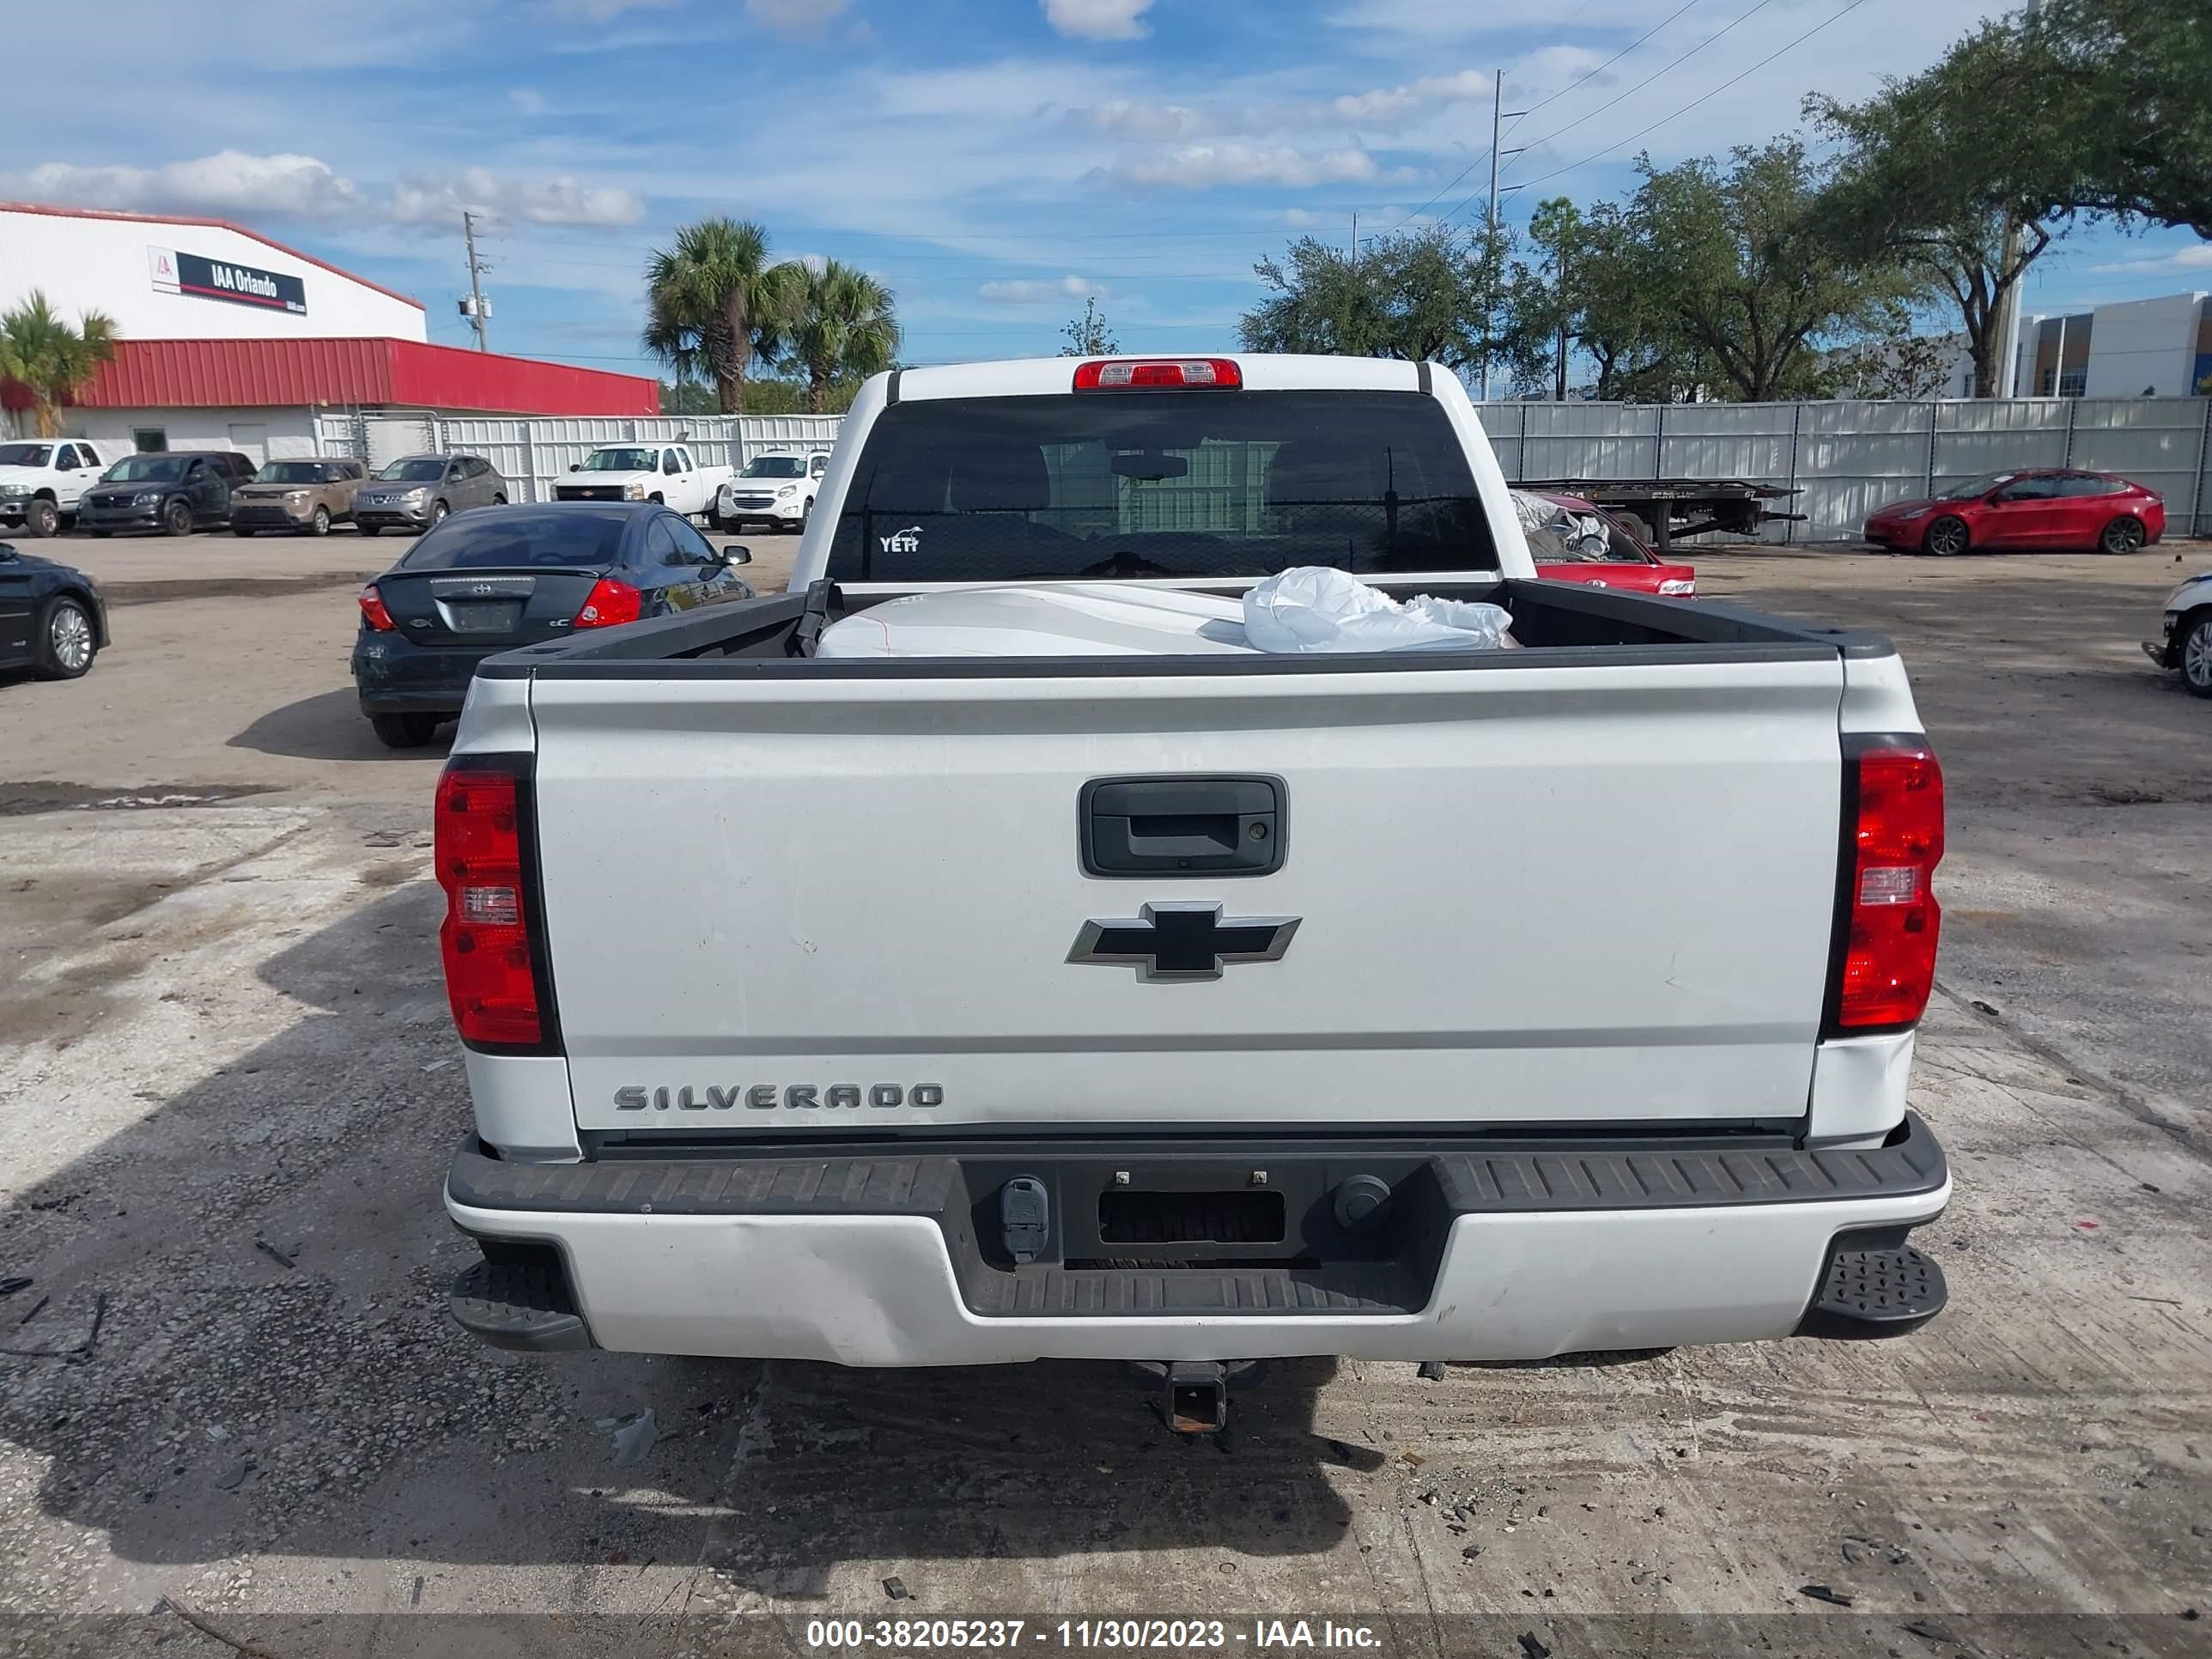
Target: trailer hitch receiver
[[1195, 1393]]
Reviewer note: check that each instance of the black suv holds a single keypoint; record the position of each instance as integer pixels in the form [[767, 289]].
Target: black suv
[[175, 490]]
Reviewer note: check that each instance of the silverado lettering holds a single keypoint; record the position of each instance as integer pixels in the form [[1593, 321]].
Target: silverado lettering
[[767, 1097]]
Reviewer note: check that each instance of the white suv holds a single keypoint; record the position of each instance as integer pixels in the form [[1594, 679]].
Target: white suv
[[775, 490]]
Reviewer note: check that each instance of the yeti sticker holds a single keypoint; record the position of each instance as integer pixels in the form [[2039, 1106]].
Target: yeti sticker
[[907, 540]]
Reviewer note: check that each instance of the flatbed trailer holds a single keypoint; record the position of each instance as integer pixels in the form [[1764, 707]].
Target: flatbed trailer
[[1669, 507]]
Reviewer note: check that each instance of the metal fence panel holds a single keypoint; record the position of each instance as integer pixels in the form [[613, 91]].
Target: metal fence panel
[[1973, 439], [2158, 442], [1853, 457], [1501, 424], [1756, 442], [532, 452], [1845, 458], [1590, 440]]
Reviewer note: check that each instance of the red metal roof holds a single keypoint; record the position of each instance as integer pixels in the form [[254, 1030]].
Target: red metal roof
[[213, 373], [53, 212]]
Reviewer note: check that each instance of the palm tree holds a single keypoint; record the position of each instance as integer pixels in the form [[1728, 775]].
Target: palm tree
[[41, 353], [714, 305], [844, 327]]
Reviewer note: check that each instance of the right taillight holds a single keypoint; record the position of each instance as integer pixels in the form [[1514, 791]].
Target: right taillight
[[373, 611], [1887, 909], [609, 604], [491, 977]]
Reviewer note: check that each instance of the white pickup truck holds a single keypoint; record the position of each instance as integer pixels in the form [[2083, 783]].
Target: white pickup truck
[[1190, 1010], [41, 481], [645, 472]]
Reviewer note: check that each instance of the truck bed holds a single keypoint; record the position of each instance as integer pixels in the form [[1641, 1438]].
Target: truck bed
[[1566, 625]]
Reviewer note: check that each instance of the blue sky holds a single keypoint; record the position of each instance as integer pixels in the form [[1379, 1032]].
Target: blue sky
[[995, 162]]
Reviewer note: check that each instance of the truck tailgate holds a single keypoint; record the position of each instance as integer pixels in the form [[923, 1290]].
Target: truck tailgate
[[1549, 895]]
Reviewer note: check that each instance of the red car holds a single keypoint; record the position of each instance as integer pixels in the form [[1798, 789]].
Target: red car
[[1583, 543], [2060, 507]]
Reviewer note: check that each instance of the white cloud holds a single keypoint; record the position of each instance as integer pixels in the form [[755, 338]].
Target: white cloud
[[233, 184], [1203, 167], [528, 101], [794, 17], [1390, 106], [2198, 257], [436, 199], [229, 183], [1145, 123], [1026, 291], [1098, 20]]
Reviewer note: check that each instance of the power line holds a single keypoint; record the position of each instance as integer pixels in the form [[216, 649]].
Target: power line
[[1740, 17], [1675, 115], [1611, 61]]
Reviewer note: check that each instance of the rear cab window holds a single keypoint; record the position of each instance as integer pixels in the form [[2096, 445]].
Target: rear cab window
[[509, 541], [1159, 484]]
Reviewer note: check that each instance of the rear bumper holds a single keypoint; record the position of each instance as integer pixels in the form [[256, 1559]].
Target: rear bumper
[[895, 1260], [394, 677]]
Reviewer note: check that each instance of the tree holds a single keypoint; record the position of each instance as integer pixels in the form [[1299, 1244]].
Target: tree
[[688, 397], [1417, 295], [715, 305], [843, 326], [2111, 95], [1089, 335], [1927, 179], [41, 352], [1743, 264], [2087, 108]]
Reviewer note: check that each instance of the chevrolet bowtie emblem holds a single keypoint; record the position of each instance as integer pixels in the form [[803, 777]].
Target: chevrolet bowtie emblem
[[1183, 941]]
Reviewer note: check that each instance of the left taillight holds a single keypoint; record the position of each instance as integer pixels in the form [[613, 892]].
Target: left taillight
[[491, 971], [373, 611], [610, 603], [1886, 967]]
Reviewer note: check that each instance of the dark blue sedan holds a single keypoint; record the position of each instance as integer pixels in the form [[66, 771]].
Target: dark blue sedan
[[52, 620], [495, 578]]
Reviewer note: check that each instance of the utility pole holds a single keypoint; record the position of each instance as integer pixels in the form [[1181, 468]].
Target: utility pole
[[1498, 113], [1353, 252], [2007, 383], [478, 318]]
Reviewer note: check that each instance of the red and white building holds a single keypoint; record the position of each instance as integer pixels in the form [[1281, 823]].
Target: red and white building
[[229, 340]]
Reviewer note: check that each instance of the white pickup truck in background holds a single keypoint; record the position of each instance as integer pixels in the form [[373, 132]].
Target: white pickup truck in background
[[644, 472], [41, 481], [1190, 1010]]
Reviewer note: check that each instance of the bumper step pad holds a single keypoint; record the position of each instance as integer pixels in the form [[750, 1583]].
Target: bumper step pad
[[525, 1306], [1876, 1293]]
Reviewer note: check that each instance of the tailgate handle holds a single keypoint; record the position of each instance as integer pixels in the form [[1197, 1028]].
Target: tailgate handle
[[1183, 826]]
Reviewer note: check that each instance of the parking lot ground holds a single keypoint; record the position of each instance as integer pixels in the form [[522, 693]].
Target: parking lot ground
[[228, 1089]]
